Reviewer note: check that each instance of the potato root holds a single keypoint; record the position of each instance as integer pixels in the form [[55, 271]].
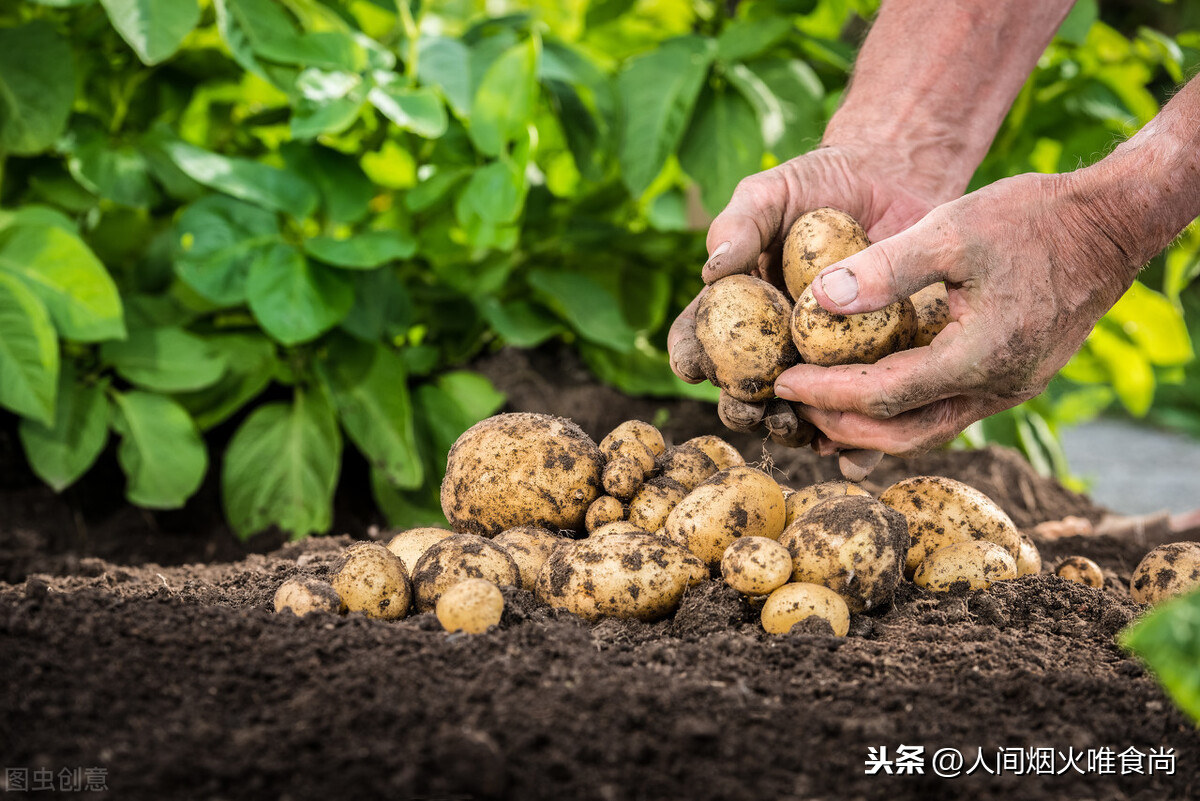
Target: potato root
[[723, 454], [410, 545], [605, 509], [932, 306], [654, 501], [530, 547], [1029, 559], [800, 501], [687, 465], [1080, 570]]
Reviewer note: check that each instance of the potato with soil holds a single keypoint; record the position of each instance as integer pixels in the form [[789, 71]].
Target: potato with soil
[[798, 502], [792, 603], [410, 545], [756, 565], [371, 579], [458, 558], [742, 325], [942, 511], [1165, 572], [472, 606], [530, 547], [521, 469], [816, 240], [723, 454], [853, 545], [653, 503], [1080, 570], [976, 565], [621, 439], [624, 575], [738, 502], [687, 465], [932, 305], [1029, 558], [827, 338], [604, 510], [301, 595]]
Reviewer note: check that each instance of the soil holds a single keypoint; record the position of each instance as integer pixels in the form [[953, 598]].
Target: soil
[[149, 649]]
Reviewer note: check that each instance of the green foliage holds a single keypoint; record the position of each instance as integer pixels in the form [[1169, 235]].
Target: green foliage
[[1168, 641]]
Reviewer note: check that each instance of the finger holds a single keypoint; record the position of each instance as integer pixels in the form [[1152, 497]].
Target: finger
[[686, 354], [738, 415], [856, 465], [908, 434], [747, 226]]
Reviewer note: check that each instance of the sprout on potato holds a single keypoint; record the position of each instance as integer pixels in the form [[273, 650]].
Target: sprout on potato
[[530, 547], [975, 564], [456, 559], [410, 545], [738, 502], [472, 606], [792, 603], [301, 595], [756, 565], [742, 324], [371, 579], [1165, 572]]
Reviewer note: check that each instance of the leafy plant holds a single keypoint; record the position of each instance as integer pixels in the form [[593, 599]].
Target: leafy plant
[[1168, 641]]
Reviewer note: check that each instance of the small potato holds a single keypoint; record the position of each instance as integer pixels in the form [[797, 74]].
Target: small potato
[[942, 511], [756, 565], [723, 454], [473, 606], [791, 603], [654, 501], [1080, 570], [977, 563], [801, 500], [372, 580], [633, 576], [932, 306], [410, 545], [1165, 572], [742, 324], [689, 466], [457, 558], [623, 477], [530, 547], [738, 502], [826, 338], [637, 431], [605, 509], [738, 415], [816, 240], [300, 595], [853, 545], [1029, 559]]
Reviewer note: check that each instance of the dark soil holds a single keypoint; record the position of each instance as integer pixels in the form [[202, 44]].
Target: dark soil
[[180, 681]]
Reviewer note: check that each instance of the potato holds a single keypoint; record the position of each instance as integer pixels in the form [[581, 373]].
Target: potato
[[827, 338], [942, 511], [633, 576], [978, 563], [1029, 559], [756, 565], [410, 544], [721, 452], [623, 477], [654, 501], [687, 465], [791, 603], [618, 527], [301, 595], [742, 324], [737, 415], [473, 606], [646, 435], [801, 500], [738, 502], [371, 579], [605, 509], [530, 547], [1080, 570], [457, 558], [853, 545], [1165, 572], [932, 306], [521, 469], [816, 240]]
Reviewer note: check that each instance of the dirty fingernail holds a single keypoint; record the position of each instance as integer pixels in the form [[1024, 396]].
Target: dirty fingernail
[[841, 286], [721, 250], [785, 392]]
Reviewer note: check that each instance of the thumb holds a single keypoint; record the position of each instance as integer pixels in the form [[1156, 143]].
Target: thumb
[[746, 227]]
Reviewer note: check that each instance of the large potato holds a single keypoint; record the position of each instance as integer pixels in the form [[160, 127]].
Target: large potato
[[816, 240], [410, 545], [738, 502], [942, 511], [932, 305], [742, 324], [624, 575], [1165, 572], [827, 338], [371, 579], [530, 547], [792, 603], [798, 502], [457, 558], [521, 469], [977, 564], [853, 545]]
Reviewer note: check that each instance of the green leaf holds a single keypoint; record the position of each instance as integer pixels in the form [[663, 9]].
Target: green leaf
[[63, 451], [345, 191], [281, 467], [153, 28], [249, 361], [747, 38], [504, 101], [519, 322], [1153, 324], [28, 353], [591, 307], [161, 451], [417, 110], [1079, 21], [1129, 372], [406, 509], [722, 146], [799, 94], [435, 187], [451, 404], [642, 371], [61, 270], [328, 102], [113, 170], [216, 241], [37, 87], [1168, 641], [369, 387], [252, 26], [446, 64], [495, 194], [165, 359], [382, 306], [330, 50], [296, 300], [658, 91], [362, 251]]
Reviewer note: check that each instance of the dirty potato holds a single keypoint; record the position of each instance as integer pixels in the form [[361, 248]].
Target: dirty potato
[[617, 443], [301, 595], [800, 501], [827, 338], [472, 606], [456, 559], [530, 547], [756, 565], [411, 544], [654, 501], [738, 502], [742, 324], [1029, 559], [816, 240], [521, 469], [605, 509], [1080, 570], [792, 603], [723, 454], [371, 579], [977, 564], [932, 305], [1165, 572], [853, 545], [686, 464]]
